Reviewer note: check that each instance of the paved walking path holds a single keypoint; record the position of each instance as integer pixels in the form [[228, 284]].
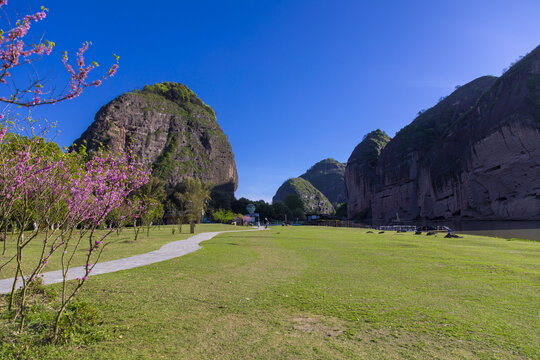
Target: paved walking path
[[166, 252]]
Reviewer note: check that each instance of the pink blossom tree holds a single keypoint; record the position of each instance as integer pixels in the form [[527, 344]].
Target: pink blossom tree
[[65, 198], [16, 52], [102, 186]]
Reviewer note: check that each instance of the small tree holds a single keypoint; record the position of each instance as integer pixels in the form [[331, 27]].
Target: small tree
[[293, 201], [136, 210], [195, 198], [281, 211], [179, 211], [60, 195], [119, 217], [239, 206], [63, 198], [152, 214], [153, 195], [153, 189], [147, 207], [341, 211]]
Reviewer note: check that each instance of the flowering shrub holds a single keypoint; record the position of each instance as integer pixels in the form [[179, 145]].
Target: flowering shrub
[[58, 195], [16, 53], [62, 197]]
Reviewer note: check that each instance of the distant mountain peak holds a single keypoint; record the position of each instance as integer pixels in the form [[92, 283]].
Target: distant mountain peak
[[313, 199]]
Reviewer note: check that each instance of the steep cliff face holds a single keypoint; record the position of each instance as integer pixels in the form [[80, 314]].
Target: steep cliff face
[[474, 155], [172, 130], [401, 168], [360, 174], [314, 201], [328, 176]]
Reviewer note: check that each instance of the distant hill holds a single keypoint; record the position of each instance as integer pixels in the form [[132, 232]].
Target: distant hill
[[328, 176], [474, 155], [173, 130], [313, 200]]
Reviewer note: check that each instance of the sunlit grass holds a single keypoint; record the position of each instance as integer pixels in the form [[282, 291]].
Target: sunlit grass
[[323, 293], [118, 246]]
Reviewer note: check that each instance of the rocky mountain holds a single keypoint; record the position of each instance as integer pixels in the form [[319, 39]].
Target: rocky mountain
[[171, 129], [328, 176], [474, 155], [360, 173], [314, 201]]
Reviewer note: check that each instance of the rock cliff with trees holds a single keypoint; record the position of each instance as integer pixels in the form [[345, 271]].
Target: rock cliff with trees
[[313, 200], [172, 129], [321, 188], [328, 176], [474, 155]]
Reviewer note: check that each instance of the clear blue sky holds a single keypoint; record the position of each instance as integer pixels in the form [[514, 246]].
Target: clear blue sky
[[292, 82]]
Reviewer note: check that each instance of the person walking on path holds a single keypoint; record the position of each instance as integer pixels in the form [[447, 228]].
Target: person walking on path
[[266, 223]]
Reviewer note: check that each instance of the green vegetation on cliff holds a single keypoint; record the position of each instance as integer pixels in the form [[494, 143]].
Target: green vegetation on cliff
[[172, 129], [368, 151], [178, 93], [190, 111], [164, 165], [360, 173], [328, 176], [475, 144], [313, 199], [430, 125]]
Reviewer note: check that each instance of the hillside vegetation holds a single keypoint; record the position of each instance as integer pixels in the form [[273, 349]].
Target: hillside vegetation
[[314, 201]]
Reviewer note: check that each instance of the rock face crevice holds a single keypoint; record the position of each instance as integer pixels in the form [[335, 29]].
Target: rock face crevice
[[169, 127], [475, 155]]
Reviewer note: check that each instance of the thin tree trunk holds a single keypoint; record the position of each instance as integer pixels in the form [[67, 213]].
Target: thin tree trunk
[[136, 229], [5, 237], [18, 269], [13, 287]]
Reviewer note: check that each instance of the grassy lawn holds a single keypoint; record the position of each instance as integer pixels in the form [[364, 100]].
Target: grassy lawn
[[120, 246], [323, 293]]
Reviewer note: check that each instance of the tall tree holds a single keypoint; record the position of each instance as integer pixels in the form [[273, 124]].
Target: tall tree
[[151, 197], [195, 198]]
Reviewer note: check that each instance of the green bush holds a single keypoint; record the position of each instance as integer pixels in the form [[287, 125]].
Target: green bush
[[80, 324], [225, 216]]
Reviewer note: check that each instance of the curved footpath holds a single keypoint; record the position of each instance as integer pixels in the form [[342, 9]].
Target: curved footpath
[[166, 252]]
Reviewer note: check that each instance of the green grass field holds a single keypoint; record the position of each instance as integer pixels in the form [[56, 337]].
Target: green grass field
[[323, 293], [118, 247]]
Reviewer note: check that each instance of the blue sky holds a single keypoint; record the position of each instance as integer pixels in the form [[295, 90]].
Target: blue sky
[[292, 82]]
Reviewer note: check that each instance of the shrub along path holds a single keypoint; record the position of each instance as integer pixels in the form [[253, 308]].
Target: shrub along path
[[166, 252]]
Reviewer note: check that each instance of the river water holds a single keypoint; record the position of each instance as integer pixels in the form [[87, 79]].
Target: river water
[[529, 230], [504, 229]]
